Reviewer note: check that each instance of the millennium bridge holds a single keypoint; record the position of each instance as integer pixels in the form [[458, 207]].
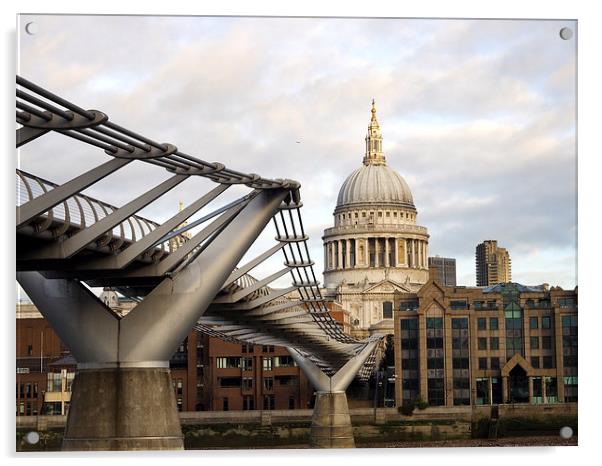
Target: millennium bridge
[[182, 275]]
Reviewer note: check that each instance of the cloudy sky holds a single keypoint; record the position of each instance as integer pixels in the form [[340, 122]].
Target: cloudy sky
[[478, 116]]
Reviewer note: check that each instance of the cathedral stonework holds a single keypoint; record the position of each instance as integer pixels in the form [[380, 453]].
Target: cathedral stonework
[[375, 249]]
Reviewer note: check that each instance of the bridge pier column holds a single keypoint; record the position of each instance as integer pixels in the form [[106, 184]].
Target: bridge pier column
[[331, 423], [123, 409]]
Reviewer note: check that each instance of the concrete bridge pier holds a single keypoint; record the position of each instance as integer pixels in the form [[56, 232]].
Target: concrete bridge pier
[[123, 409], [331, 423]]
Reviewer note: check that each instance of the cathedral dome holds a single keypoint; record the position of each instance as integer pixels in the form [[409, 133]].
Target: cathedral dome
[[374, 182]]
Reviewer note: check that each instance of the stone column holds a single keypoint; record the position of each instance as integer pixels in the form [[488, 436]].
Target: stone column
[[505, 389], [340, 254], [490, 391], [376, 252], [544, 394], [347, 253], [325, 256], [387, 262], [530, 390], [396, 246], [357, 257]]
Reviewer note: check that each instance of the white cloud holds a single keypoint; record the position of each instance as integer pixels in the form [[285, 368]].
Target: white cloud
[[478, 116]]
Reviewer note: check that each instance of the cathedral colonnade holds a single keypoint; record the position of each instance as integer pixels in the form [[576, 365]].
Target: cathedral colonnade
[[375, 252]]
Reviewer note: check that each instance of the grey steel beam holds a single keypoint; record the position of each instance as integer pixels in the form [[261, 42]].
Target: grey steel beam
[[265, 310], [27, 134], [45, 202], [129, 254], [189, 246], [267, 298], [241, 294], [252, 264], [159, 323]]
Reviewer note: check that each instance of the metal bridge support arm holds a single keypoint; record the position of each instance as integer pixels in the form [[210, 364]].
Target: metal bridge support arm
[[79, 318], [154, 329], [331, 423]]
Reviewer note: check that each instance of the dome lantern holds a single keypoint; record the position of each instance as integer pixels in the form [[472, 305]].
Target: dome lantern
[[374, 142]]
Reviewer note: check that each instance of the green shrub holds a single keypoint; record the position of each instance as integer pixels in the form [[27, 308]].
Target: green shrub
[[421, 404]]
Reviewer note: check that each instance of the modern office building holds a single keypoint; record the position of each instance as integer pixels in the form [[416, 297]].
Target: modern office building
[[375, 248], [506, 343], [446, 269], [492, 263]]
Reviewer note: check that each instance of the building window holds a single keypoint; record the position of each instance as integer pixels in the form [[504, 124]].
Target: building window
[[566, 302], [534, 342], [482, 323], [482, 343], [248, 403], [460, 361], [548, 362], [569, 356], [247, 348], [514, 330], [284, 361], [495, 363], [387, 310], [458, 304], [546, 342], [493, 323], [494, 343], [228, 362], [545, 322], [268, 384], [535, 362], [267, 363], [247, 364], [409, 358], [435, 361], [225, 404], [483, 363], [533, 323], [551, 389], [247, 384], [269, 402]]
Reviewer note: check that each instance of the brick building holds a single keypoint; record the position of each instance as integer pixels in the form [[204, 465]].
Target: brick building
[[207, 373], [506, 343]]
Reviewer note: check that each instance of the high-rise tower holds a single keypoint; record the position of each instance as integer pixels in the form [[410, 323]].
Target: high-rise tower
[[493, 264]]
